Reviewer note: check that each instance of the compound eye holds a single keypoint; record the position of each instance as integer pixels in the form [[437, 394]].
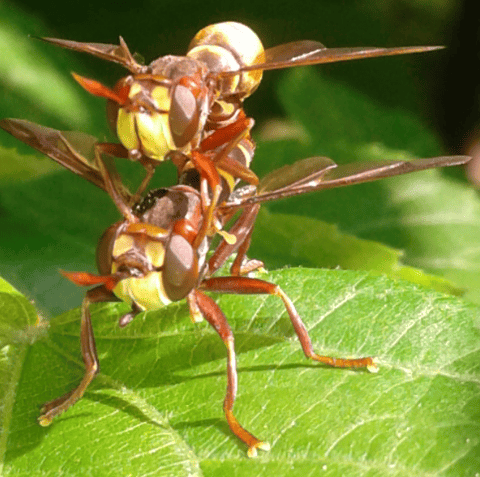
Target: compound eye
[[121, 88], [105, 249], [180, 268], [112, 115], [184, 115]]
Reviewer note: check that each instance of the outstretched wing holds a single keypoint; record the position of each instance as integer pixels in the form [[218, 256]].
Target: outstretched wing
[[319, 173], [296, 53], [73, 150], [116, 53], [306, 52]]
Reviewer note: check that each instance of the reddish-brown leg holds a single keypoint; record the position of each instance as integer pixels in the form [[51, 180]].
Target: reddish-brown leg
[[239, 267], [149, 171], [245, 286], [118, 150], [113, 149], [89, 354], [223, 159], [111, 187], [224, 135], [217, 149], [207, 170], [237, 170], [214, 315], [127, 318], [242, 230], [195, 313]]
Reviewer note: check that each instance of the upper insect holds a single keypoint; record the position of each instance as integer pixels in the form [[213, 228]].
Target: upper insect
[[182, 104]]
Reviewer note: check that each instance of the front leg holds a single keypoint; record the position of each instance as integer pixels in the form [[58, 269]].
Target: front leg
[[89, 354], [120, 151], [242, 230], [214, 315]]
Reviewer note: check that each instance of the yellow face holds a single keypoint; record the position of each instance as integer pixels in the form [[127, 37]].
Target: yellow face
[[159, 266], [147, 291], [147, 130], [167, 112]]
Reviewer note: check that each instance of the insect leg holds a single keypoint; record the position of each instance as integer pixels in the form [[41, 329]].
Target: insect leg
[[237, 130], [245, 286], [214, 315], [149, 172], [89, 354], [242, 230], [120, 151], [208, 173], [223, 159], [127, 318], [111, 188], [195, 313], [239, 267]]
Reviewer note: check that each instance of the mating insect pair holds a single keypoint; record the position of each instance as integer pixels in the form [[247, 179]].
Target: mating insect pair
[[189, 109], [186, 108]]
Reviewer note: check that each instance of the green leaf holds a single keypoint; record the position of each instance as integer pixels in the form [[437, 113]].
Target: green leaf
[[348, 125], [156, 406], [27, 66], [314, 243], [19, 329], [5, 287]]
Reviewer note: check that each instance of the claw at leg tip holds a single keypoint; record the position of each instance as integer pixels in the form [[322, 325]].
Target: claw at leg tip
[[252, 451], [373, 368], [44, 421]]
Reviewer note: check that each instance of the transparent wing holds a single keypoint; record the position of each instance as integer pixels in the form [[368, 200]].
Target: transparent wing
[[73, 150], [294, 175], [319, 173], [116, 53], [306, 52]]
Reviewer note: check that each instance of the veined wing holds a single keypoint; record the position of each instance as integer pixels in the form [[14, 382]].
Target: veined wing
[[73, 150], [319, 173], [116, 53], [307, 52]]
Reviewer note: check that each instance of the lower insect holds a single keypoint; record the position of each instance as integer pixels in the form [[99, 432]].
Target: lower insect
[[158, 253], [151, 264]]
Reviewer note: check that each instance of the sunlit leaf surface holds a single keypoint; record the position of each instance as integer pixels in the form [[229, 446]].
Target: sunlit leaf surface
[[156, 407]]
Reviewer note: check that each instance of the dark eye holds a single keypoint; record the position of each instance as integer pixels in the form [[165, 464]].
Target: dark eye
[[105, 248], [112, 115], [180, 268], [183, 116]]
